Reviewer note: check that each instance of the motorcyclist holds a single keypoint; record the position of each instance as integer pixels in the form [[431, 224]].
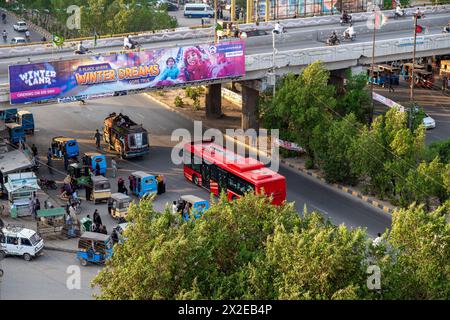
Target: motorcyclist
[[346, 17], [5, 35], [81, 49], [399, 12], [278, 28], [4, 17], [27, 35], [128, 43], [419, 14], [333, 38], [447, 27], [349, 32]]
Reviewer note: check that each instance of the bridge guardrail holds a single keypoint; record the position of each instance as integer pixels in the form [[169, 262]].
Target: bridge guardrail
[[183, 34]]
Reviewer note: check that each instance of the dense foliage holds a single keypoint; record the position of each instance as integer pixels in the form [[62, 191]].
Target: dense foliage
[[249, 249], [104, 16], [388, 157]]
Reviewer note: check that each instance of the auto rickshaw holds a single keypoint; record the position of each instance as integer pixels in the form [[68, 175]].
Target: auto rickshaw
[[91, 159], [80, 173], [94, 247], [146, 184], [391, 72], [423, 78], [198, 205], [407, 69], [101, 188], [61, 145], [444, 70], [377, 77], [120, 203]]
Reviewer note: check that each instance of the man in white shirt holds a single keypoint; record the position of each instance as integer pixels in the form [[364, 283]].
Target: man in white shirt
[[377, 241], [27, 34], [349, 32], [278, 28]]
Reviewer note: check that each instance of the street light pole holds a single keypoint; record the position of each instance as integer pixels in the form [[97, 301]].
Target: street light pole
[[215, 21], [372, 107], [411, 91], [273, 64]]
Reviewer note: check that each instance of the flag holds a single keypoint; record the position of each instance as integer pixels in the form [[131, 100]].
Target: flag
[[419, 29], [57, 40], [380, 19]]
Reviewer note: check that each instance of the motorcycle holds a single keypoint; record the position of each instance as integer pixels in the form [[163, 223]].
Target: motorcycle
[[5, 38], [347, 36], [82, 51], [47, 184], [134, 45], [446, 29], [334, 42], [398, 15], [348, 20]]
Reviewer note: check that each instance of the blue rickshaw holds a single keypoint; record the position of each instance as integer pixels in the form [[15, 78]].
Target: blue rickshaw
[[95, 248], [61, 145], [377, 76], [198, 205], [91, 159], [146, 184]]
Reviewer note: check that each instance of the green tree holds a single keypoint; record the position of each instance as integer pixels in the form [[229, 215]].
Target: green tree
[[300, 104], [440, 149], [356, 97], [332, 147], [244, 249], [416, 264]]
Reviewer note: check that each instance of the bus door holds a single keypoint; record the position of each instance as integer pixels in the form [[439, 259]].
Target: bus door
[[206, 174]]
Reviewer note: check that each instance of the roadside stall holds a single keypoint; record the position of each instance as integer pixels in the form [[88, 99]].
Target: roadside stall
[[12, 162], [20, 188], [50, 222]]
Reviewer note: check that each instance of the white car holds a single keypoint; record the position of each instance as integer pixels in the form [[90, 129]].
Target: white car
[[20, 26], [429, 122], [20, 241], [18, 40]]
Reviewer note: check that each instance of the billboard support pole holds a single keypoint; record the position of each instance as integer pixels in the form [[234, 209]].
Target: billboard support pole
[[267, 10], [233, 11]]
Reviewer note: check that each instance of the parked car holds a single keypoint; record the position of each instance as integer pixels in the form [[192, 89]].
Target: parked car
[[20, 26], [429, 122], [18, 40], [167, 4]]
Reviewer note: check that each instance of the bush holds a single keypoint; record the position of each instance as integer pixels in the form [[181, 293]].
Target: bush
[[309, 164], [196, 104], [178, 102], [194, 92]]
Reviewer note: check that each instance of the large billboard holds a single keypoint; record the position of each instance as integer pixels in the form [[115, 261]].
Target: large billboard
[[116, 73]]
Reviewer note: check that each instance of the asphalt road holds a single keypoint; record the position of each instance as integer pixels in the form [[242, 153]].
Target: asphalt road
[[34, 36], [45, 278]]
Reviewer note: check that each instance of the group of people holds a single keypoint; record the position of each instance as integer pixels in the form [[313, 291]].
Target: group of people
[[183, 208]]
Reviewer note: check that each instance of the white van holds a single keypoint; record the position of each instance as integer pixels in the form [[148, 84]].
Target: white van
[[20, 241], [198, 10]]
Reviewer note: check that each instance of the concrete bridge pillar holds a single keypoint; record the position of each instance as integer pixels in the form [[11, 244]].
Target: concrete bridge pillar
[[213, 101], [337, 78], [250, 100]]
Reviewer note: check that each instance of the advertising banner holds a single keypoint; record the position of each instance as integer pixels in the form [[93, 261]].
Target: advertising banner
[[289, 145], [118, 73], [388, 102]]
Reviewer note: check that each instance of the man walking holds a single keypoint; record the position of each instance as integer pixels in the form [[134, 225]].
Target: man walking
[[97, 137], [49, 160], [34, 150], [66, 161]]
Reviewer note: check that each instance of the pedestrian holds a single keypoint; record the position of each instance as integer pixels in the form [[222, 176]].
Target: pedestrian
[[31, 207], [37, 205], [34, 150], [49, 160], [97, 137], [174, 207], [73, 212], [377, 241], [88, 190], [114, 167], [110, 205], [66, 161], [97, 218], [103, 229], [391, 81]]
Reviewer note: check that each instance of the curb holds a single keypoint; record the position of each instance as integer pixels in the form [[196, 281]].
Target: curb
[[59, 249], [356, 194]]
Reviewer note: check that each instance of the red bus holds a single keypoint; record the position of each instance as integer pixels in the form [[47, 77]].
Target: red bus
[[214, 168]]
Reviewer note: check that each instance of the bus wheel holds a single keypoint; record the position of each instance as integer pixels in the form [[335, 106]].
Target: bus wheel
[[195, 180]]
